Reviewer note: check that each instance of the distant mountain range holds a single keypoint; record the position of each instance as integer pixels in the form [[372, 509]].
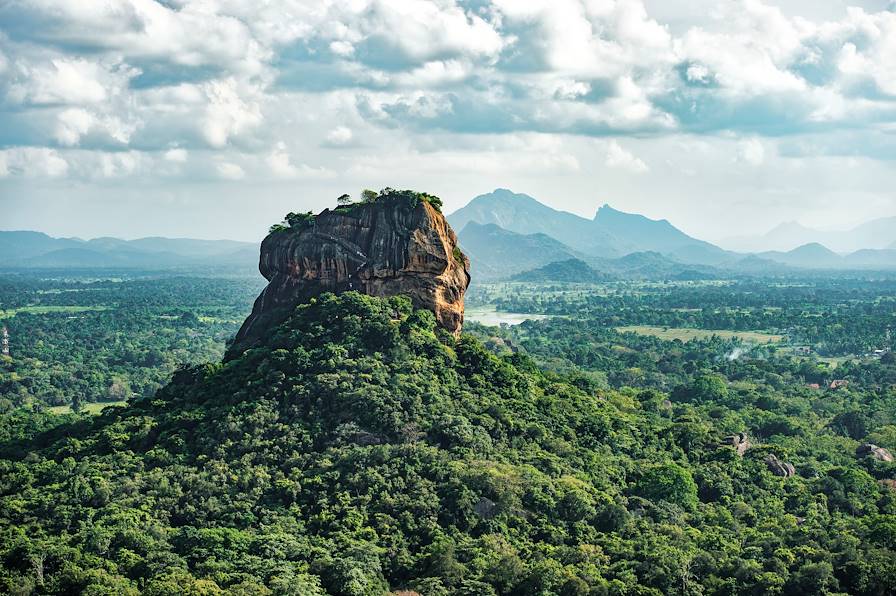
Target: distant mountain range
[[496, 253], [812, 255], [635, 266], [816, 256], [36, 249], [875, 234], [507, 234], [610, 234]]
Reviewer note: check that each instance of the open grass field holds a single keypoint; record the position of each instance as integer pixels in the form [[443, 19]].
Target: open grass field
[[835, 361], [672, 333], [93, 409]]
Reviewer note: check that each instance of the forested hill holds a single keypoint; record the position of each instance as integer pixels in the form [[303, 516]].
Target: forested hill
[[360, 449]]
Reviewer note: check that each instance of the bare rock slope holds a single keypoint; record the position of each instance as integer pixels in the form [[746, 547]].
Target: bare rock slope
[[399, 244]]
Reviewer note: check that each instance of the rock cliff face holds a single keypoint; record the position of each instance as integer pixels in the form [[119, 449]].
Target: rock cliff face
[[395, 245]]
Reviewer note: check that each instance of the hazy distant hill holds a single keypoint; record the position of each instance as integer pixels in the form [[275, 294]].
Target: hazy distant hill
[[812, 255], [704, 255], [22, 244], [754, 265], [496, 253], [817, 256], [88, 258], [568, 271], [190, 247], [783, 237], [35, 249], [882, 259], [875, 234], [635, 266], [611, 233], [651, 265]]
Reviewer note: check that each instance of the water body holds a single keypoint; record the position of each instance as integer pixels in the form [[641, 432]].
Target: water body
[[489, 316]]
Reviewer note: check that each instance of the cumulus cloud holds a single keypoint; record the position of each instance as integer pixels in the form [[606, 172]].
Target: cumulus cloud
[[617, 157], [32, 162], [230, 171], [176, 155], [339, 136], [114, 165], [235, 77], [58, 81], [228, 112], [751, 151], [544, 156], [72, 123], [279, 162], [190, 34], [417, 31]]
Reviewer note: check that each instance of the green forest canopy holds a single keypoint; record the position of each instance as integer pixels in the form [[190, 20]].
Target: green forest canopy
[[361, 450]]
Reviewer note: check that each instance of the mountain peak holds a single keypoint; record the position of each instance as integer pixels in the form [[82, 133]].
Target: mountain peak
[[649, 234], [606, 212], [611, 233], [813, 248], [523, 214], [504, 191], [605, 209], [567, 271], [508, 196]]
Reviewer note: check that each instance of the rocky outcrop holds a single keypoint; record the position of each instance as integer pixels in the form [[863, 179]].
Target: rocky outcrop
[[486, 508], [779, 468], [399, 244], [739, 441], [878, 453]]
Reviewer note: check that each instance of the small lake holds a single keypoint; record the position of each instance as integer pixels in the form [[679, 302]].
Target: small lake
[[487, 315]]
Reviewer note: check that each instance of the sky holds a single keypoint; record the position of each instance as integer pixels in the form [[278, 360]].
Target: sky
[[213, 118]]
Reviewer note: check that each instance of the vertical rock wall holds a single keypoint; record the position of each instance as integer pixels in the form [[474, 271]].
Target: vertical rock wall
[[395, 245]]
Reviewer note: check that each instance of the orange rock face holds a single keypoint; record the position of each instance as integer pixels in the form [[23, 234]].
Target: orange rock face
[[394, 246]]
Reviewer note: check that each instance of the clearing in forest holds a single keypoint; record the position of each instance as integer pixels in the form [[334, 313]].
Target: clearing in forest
[[686, 334]]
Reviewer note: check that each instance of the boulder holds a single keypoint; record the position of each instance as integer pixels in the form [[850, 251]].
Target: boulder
[[399, 244], [779, 468], [878, 453], [739, 441], [486, 508]]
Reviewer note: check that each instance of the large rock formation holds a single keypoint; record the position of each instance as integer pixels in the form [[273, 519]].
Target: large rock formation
[[778, 467], [878, 453], [398, 244]]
